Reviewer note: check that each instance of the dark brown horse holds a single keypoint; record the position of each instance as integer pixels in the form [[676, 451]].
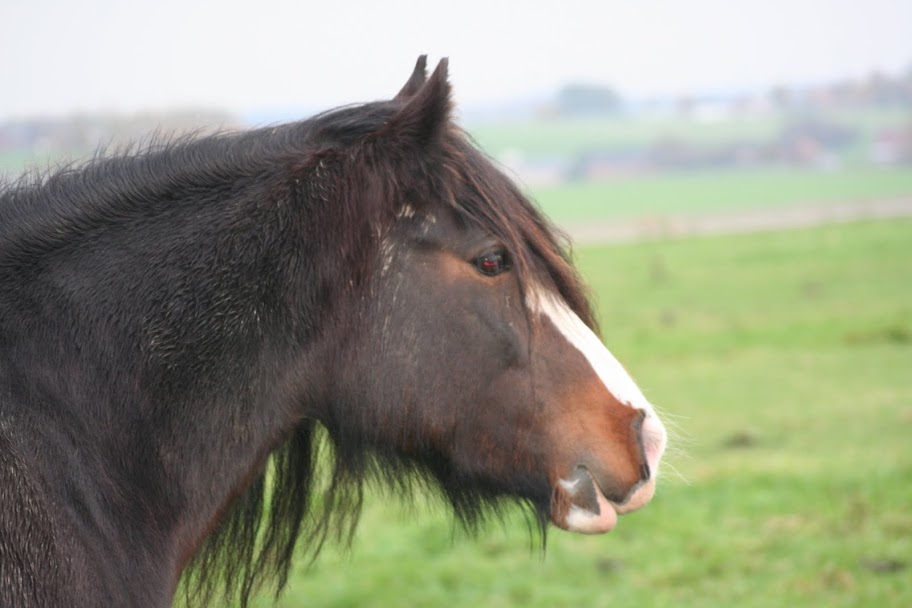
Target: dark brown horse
[[181, 326]]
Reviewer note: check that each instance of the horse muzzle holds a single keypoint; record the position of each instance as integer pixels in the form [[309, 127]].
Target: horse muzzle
[[579, 504]]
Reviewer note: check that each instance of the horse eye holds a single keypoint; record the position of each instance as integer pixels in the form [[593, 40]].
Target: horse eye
[[492, 263]]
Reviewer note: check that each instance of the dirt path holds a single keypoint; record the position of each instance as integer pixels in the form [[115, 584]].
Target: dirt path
[[626, 230]]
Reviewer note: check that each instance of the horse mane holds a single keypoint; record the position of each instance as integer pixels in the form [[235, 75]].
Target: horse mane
[[353, 167]]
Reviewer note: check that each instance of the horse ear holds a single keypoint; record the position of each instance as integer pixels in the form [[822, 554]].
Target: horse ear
[[418, 77], [427, 112]]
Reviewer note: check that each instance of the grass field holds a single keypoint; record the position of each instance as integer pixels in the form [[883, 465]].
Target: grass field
[[783, 362], [570, 137], [13, 163], [719, 191]]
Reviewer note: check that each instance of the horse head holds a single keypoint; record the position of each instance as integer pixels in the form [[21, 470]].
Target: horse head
[[169, 319], [472, 354]]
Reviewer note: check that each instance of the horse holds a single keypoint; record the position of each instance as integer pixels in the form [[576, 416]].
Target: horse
[[190, 330]]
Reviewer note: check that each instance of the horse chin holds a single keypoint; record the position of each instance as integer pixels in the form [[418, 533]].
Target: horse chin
[[579, 505]]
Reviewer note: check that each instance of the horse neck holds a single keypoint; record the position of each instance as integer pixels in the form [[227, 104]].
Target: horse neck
[[162, 350]]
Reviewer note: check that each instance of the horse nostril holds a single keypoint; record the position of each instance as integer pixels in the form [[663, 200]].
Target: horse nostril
[[638, 425]]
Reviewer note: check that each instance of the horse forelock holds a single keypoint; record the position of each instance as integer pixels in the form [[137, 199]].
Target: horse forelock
[[540, 250], [451, 174]]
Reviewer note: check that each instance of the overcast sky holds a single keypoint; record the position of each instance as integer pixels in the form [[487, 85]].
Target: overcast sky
[[62, 56]]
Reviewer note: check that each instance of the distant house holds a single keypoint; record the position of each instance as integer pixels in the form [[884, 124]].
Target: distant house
[[892, 147], [533, 171]]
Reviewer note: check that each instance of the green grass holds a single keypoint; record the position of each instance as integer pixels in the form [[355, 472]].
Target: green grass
[[14, 163], [783, 361], [566, 138], [571, 137], [713, 191]]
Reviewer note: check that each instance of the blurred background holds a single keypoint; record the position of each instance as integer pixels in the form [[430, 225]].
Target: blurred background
[[737, 180]]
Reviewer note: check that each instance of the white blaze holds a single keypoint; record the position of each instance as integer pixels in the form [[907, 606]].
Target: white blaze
[[609, 370]]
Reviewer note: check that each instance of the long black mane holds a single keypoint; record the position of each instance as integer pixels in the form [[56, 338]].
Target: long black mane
[[340, 179]]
